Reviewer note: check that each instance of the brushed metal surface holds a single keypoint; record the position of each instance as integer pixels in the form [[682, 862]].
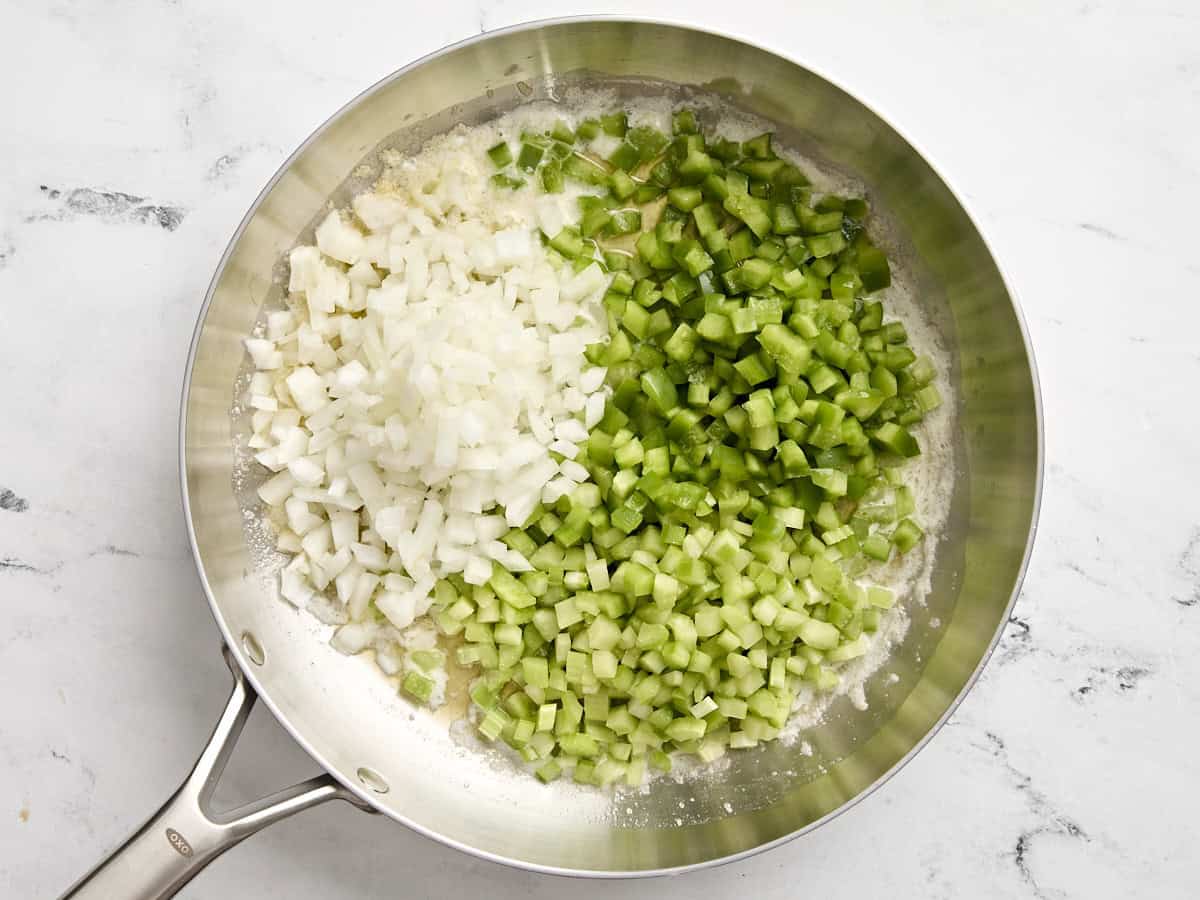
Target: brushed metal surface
[[349, 718]]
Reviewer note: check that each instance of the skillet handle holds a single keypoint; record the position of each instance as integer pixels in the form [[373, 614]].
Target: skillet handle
[[184, 836]]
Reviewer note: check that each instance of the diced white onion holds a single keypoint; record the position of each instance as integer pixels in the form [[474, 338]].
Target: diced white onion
[[410, 396], [263, 354], [339, 240]]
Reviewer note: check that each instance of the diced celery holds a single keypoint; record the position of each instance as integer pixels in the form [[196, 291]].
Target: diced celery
[[500, 155], [907, 535], [417, 685], [741, 475]]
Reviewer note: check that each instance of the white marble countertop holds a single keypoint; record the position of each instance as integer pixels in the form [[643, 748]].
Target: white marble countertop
[[137, 132]]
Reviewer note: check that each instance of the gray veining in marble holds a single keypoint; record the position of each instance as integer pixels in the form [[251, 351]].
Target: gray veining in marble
[[136, 133]]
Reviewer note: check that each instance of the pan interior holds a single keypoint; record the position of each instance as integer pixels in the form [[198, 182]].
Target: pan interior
[[423, 769]]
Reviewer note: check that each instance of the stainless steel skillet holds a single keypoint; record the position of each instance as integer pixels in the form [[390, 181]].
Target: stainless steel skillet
[[380, 753]]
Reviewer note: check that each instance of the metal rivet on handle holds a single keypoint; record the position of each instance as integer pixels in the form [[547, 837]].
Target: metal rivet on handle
[[373, 780], [253, 648]]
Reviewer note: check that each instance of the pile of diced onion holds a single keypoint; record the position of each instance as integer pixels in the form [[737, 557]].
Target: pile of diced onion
[[408, 399]]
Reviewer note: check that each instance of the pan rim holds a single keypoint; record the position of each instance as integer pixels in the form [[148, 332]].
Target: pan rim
[[365, 795]]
